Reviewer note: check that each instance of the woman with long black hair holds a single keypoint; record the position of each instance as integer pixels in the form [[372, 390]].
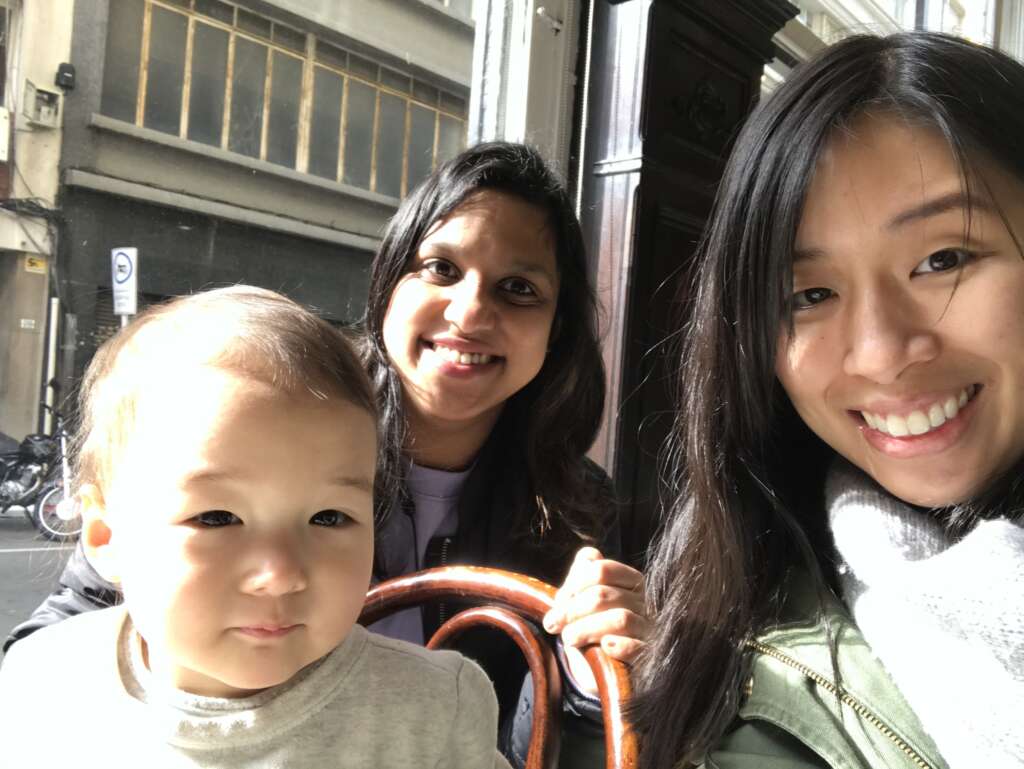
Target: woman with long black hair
[[839, 578]]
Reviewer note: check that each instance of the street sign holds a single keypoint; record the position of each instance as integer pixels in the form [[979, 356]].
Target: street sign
[[124, 272]]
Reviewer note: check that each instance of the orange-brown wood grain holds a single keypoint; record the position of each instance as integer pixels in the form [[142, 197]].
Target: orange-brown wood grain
[[531, 599]]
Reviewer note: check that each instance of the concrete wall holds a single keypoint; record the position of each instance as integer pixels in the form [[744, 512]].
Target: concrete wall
[[22, 343], [39, 39]]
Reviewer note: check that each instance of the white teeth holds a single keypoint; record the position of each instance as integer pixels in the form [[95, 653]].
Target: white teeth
[[950, 407], [896, 426], [462, 358], [936, 416], [920, 422]]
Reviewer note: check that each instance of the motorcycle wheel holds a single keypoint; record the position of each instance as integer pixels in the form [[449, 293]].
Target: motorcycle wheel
[[49, 523]]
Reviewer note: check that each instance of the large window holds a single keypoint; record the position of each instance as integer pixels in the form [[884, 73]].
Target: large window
[[820, 22], [212, 72], [832, 19]]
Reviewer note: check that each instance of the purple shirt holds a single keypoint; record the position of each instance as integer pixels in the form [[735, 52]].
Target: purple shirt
[[435, 496]]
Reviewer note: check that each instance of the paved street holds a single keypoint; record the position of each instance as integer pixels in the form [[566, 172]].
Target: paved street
[[29, 567]]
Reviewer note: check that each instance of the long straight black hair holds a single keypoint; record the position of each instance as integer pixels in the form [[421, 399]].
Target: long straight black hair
[[747, 474], [554, 419]]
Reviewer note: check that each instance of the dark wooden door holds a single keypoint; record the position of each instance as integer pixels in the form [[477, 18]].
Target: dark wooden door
[[671, 81]]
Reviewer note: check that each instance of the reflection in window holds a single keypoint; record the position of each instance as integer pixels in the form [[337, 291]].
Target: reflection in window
[[165, 73], [324, 138], [449, 140], [421, 144], [359, 118], [390, 133], [215, 73], [283, 123], [209, 79], [250, 64], [121, 71]]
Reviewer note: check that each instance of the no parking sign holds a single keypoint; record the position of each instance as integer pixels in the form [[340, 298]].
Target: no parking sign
[[124, 271]]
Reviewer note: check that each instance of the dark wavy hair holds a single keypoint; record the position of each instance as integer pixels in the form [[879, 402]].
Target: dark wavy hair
[[554, 419], [747, 474]]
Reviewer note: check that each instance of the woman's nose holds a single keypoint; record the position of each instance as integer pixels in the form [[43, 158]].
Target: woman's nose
[[470, 308], [276, 569], [886, 334]]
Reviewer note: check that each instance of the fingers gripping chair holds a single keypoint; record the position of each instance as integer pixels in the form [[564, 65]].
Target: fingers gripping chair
[[511, 602]]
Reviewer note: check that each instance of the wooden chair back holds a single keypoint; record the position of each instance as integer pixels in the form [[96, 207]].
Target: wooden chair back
[[515, 604]]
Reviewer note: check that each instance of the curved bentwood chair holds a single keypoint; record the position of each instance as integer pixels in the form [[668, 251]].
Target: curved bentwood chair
[[515, 604]]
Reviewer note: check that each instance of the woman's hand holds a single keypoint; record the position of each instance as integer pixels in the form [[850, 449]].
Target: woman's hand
[[600, 602]]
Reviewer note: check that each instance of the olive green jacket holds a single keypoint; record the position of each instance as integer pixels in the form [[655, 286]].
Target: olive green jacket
[[792, 718]]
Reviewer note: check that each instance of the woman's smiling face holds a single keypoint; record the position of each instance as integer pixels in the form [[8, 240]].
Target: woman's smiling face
[[909, 366], [468, 326]]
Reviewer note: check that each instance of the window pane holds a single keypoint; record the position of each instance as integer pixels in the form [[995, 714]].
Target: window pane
[[247, 82], [256, 25], [395, 80], [359, 133], [421, 144], [390, 145], [360, 66], [166, 75], [121, 65], [463, 7], [450, 137], [290, 38], [285, 94], [425, 93], [329, 54], [209, 79], [326, 123], [215, 9], [454, 104]]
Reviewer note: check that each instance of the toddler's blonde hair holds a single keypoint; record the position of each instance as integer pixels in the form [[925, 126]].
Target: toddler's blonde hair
[[243, 329]]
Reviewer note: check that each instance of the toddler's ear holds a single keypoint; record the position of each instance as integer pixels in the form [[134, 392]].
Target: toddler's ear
[[96, 533]]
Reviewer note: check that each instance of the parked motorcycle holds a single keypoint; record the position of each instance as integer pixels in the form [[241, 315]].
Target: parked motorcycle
[[36, 478]]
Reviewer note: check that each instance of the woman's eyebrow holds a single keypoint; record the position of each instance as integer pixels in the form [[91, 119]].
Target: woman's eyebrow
[[940, 205], [807, 254]]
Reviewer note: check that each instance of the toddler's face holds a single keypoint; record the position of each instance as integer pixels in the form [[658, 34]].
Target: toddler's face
[[241, 528]]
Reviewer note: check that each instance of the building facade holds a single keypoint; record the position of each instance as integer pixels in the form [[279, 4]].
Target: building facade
[[264, 142], [30, 142]]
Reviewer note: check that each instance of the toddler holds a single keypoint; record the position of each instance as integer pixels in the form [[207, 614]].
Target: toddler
[[224, 469]]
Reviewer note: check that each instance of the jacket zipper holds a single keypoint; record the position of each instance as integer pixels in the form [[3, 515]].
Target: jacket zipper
[[856, 705], [442, 608]]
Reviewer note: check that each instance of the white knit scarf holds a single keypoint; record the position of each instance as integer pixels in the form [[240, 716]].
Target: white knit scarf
[[946, 618]]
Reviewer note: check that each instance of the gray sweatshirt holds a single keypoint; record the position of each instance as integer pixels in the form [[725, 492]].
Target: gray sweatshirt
[[76, 695]]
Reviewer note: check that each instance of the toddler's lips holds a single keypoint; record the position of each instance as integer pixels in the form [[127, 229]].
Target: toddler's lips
[[267, 631]]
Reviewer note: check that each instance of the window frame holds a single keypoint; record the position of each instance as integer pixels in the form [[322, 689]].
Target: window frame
[[442, 109]]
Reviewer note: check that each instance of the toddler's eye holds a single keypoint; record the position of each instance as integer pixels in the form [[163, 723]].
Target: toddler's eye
[[809, 297], [216, 518], [943, 261], [329, 518]]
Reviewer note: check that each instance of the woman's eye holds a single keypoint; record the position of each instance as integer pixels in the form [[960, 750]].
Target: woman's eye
[[943, 261], [438, 270], [329, 518], [519, 289], [216, 518], [809, 297]]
